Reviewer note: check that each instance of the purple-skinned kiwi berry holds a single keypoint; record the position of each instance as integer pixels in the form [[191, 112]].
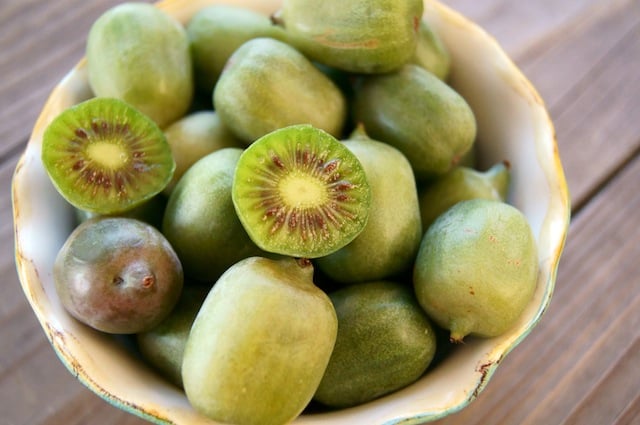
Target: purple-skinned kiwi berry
[[118, 275]]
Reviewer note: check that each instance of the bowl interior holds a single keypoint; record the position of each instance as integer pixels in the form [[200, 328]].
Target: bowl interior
[[513, 125]]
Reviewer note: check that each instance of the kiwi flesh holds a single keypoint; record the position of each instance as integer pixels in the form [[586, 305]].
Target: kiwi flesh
[[298, 191], [105, 156]]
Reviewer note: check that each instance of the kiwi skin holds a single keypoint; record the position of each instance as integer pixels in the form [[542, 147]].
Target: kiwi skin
[[106, 157], [216, 31], [477, 267], [118, 275], [200, 221], [140, 54], [194, 136], [389, 242], [419, 114], [163, 346], [385, 342], [267, 85]]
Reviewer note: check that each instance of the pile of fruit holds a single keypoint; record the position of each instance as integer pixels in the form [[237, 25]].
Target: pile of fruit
[[282, 209]]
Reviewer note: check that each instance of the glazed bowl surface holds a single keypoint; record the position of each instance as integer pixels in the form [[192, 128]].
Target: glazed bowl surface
[[513, 125]]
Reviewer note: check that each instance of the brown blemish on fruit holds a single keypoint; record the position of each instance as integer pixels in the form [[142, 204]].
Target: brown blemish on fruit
[[148, 281], [326, 40]]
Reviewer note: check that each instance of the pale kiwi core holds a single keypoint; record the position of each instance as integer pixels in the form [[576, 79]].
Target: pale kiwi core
[[300, 191], [109, 155]]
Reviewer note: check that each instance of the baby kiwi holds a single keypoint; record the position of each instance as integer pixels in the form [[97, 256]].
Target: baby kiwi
[[106, 157], [298, 191]]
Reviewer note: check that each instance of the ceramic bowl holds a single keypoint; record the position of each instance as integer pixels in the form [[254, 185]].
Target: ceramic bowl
[[513, 124]]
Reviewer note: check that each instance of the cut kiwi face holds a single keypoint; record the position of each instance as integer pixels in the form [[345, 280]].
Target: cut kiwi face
[[106, 157], [298, 191]]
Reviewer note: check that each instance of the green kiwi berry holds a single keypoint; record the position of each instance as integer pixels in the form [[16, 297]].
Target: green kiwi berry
[[385, 342], [259, 344], [460, 184], [267, 85], [359, 36], [194, 136], [216, 31], [431, 53], [388, 244], [163, 345], [106, 157], [200, 220], [298, 191], [422, 116], [140, 54], [477, 268]]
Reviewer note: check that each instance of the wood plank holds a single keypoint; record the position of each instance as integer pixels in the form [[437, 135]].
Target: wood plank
[[85, 408], [631, 414], [43, 393], [40, 44], [594, 286], [582, 57], [595, 367], [609, 398], [519, 26], [561, 63], [11, 291], [590, 81]]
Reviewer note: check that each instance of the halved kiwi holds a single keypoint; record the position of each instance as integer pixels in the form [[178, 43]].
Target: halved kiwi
[[106, 157], [298, 191]]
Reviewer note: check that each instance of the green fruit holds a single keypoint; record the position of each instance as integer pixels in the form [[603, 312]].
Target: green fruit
[[140, 54], [420, 115], [360, 36], [105, 157], [431, 53], [460, 184], [194, 136], [385, 342], [118, 275], [260, 343], [216, 31], [163, 346], [389, 242], [300, 192], [477, 268], [200, 220], [267, 85]]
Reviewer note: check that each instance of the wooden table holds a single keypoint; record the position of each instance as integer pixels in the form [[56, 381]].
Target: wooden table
[[581, 365]]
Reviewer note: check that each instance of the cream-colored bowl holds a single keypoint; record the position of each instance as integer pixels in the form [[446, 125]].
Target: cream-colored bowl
[[513, 125]]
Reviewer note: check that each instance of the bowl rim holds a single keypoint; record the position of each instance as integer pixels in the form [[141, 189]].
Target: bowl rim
[[555, 226]]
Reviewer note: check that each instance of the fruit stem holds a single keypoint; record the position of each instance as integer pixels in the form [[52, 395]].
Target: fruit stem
[[500, 177]]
